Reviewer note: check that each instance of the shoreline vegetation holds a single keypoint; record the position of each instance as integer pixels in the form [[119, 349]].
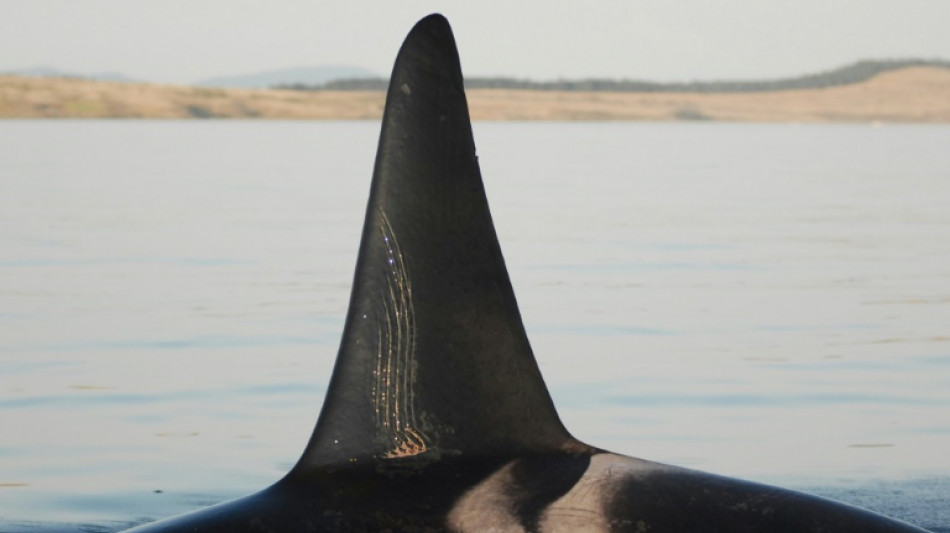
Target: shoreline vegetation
[[869, 91]]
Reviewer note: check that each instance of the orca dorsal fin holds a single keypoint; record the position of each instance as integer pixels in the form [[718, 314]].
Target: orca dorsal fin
[[434, 358]]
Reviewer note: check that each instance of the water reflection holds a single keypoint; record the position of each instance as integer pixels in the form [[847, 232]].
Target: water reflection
[[760, 301]]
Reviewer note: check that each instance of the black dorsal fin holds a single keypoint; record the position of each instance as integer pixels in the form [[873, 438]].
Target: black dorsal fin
[[434, 358]]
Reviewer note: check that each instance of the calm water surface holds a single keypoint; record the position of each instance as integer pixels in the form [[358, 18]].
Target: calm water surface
[[770, 302]]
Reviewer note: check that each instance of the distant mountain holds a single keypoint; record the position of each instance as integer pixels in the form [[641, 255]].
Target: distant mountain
[[846, 75], [51, 72], [290, 76]]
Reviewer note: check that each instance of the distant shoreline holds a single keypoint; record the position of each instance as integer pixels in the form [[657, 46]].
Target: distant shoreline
[[858, 72], [909, 94]]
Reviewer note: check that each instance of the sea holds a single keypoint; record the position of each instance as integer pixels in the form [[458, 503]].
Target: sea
[[764, 301]]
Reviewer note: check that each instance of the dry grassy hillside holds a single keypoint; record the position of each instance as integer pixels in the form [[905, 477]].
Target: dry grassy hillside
[[76, 98], [919, 94]]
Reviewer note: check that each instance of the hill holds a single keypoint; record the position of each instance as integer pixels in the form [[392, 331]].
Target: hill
[[850, 74], [906, 94]]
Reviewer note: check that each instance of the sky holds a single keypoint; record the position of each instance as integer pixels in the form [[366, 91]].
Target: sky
[[183, 41]]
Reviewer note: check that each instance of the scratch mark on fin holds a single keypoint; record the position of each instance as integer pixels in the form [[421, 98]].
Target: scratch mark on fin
[[394, 378]]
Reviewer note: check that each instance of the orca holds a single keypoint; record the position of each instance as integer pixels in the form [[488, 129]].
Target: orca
[[437, 417]]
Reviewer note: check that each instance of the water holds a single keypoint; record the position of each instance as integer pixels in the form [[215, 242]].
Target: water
[[763, 301]]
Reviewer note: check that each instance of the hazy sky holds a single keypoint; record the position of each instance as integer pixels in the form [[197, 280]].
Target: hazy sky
[[187, 40]]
